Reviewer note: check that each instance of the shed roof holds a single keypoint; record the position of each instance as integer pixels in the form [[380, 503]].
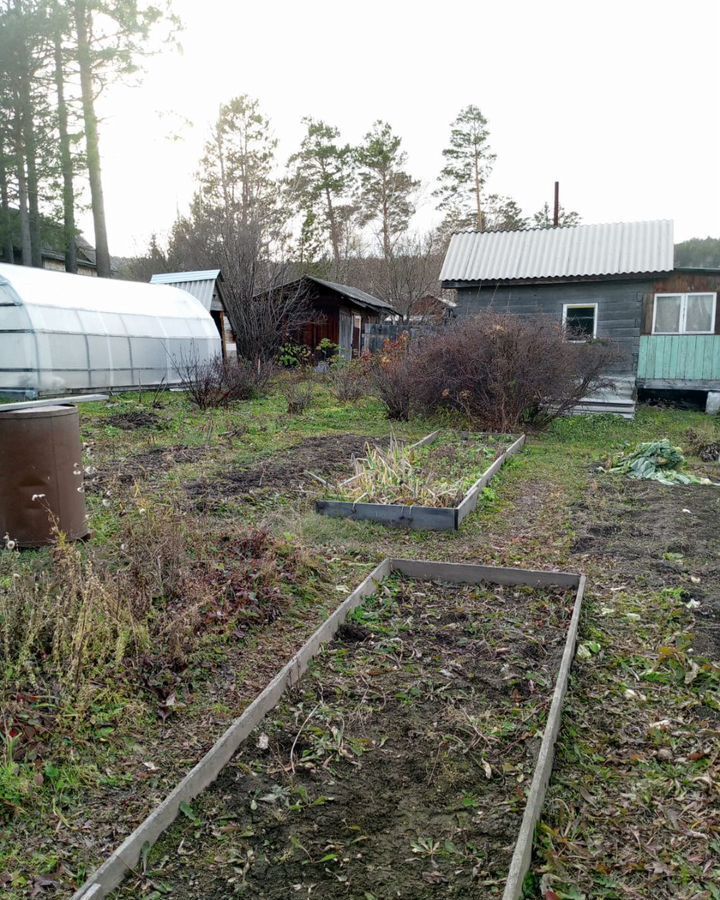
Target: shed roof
[[200, 284], [620, 248], [355, 294]]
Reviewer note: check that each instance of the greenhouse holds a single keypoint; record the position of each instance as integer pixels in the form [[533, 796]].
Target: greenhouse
[[63, 333]]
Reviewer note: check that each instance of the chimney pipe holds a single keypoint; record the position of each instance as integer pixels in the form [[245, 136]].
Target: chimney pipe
[[556, 212]]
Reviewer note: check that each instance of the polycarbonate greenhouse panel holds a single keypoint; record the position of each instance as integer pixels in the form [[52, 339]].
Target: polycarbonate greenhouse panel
[[61, 332]]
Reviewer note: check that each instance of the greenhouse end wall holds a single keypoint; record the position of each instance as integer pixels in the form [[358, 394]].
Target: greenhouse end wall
[[63, 333]]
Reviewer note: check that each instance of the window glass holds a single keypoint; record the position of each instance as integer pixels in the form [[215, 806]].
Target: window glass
[[581, 320], [667, 313], [699, 315]]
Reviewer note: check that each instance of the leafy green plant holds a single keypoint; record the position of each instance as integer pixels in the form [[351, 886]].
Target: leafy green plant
[[655, 461], [294, 356]]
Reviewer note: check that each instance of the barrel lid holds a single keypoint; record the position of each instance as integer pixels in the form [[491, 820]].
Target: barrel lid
[[39, 412]]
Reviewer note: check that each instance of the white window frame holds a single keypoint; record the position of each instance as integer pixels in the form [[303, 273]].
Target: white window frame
[[683, 311], [567, 306]]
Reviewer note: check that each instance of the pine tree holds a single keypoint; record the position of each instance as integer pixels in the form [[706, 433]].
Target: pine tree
[[468, 163], [385, 189], [543, 218], [320, 184]]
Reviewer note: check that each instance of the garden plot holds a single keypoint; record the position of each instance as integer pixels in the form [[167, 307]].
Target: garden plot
[[431, 485], [410, 761], [298, 469]]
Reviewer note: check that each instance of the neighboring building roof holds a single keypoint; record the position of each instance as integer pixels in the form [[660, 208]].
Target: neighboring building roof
[[622, 248], [200, 284], [355, 295], [53, 241]]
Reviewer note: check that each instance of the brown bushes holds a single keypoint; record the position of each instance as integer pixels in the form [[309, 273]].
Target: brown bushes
[[220, 382], [499, 371]]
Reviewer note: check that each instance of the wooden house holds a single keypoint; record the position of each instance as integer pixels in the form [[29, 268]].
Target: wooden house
[[616, 282]]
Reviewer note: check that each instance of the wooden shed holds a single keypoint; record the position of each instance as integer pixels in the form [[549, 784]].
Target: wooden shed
[[339, 313]]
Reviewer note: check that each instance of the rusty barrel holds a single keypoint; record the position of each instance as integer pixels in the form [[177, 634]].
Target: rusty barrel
[[41, 475]]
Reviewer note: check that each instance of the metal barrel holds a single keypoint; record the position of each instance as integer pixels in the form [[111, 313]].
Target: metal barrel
[[41, 475]]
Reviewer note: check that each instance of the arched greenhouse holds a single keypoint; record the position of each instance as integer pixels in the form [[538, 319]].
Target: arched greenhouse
[[61, 333]]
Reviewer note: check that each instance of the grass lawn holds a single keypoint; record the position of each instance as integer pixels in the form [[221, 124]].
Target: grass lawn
[[207, 569]]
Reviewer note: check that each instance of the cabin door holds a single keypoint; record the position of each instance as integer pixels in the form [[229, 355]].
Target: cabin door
[[346, 335]]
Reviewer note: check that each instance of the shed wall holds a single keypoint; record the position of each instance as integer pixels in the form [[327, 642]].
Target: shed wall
[[619, 313]]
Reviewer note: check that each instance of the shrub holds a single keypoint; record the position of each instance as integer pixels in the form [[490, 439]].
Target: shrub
[[348, 379], [299, 394], [222, 381], [293, 356], [393, 372], [499, 371], [704, 441]]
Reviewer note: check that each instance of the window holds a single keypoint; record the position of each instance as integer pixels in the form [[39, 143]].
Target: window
[[581, 318], [684, 314]]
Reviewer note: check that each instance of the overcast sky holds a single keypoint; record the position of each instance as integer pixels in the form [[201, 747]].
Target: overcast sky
[[618, 100]]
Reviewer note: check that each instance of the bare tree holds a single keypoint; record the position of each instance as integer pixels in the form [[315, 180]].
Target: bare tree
[[410, 275]]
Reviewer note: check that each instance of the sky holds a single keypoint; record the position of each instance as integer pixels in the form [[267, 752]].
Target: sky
[[618, 101]]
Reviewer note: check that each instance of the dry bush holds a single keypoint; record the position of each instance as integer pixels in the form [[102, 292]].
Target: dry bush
[[499, 371], [137, 609], [348, 379], [392, 374], [222, 381], [703, 441], [299, 393]]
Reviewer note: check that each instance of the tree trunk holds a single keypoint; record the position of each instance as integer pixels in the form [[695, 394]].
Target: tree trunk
[[28, 130], [26, 125], [6, 250], [478, 208], [387, 249], [25, 244], [334, 238], [66, 163], [92, 144]]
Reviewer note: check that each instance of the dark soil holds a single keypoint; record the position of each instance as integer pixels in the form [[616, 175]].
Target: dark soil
[[668, 535], [131, 421], [398, 768], [146, 465], [285, 471]]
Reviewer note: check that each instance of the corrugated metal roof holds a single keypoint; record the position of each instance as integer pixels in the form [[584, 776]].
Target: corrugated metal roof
[[353, 293], [621, 248], [199, 284]]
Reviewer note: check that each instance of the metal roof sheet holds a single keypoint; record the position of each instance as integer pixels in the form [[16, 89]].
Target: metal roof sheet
[[353, 293], [199, 284], [620, 248]]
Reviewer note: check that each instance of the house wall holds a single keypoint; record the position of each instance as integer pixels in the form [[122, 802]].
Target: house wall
[[619, 313], [679, 361]]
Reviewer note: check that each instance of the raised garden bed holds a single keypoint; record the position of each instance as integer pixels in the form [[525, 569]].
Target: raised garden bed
[[403, 758], [442, 458]]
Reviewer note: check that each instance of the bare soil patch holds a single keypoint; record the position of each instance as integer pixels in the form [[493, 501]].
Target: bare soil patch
[[668, 536], [149, 464], [397, 768], [286, 471], [131, 421]]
